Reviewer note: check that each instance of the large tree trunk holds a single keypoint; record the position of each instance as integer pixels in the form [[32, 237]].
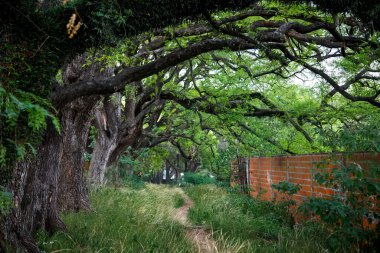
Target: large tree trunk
[[167, 172], [34, 188], [76, 119], [193, 165], [116, 134], [37, 182], [107, 152], [104, 146], [107, 121], [128, 140], [39, 202], [129, 132], [130, 129]]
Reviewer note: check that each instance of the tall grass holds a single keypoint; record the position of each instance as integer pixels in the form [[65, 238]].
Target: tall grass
[[248, 225], [123, 220], [140, 219]]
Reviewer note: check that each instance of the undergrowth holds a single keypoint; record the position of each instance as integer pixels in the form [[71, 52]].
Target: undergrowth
[[123, 220], [250, 225], [140, 219]]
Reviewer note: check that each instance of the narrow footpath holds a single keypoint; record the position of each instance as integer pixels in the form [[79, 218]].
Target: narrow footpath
[[201, 238]]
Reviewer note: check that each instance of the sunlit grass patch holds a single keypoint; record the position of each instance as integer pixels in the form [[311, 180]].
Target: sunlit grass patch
[[123, 220]]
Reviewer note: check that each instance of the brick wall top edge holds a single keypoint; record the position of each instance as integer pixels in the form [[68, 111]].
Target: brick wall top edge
[[371, 154]]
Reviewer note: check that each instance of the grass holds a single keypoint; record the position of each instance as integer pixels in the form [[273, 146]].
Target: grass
[[179, 201], [124, 220], [139, 219], [249, 225]]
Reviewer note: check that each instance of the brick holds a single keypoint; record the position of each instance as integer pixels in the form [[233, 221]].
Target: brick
[[300, 169], [304, 193], [299, 198], [306, 187], [299, 175], [325, 191], [278, 179], [299, 181], [279, 173]]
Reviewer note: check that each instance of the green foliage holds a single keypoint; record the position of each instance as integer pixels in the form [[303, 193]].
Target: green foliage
[[119, 175], [217, 160], [5, 201], [287, 187], [26, 70], [150, 160], [285, 203], [14, 105], [198, 178], [16, 138], [133, 182], [107, 18], [367, 11], [353, 136], [356, 193], [254, 225]]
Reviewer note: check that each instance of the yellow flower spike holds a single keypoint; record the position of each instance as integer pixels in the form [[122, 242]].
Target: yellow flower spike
[[72, 29]]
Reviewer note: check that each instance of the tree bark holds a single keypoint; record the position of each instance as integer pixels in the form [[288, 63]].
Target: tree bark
[[107, 122], [115, 134], [129, 131], [76, 119], [53, 180], [128, 140], [39, 202], [35, 195], [167, 171]]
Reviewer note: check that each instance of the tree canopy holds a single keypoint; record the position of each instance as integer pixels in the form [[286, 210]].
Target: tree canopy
[[147, 81]]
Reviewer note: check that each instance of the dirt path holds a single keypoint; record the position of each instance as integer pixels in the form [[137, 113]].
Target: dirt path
[[201, 238]]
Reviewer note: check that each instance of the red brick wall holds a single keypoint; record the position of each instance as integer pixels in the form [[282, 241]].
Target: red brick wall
[[300, 169]]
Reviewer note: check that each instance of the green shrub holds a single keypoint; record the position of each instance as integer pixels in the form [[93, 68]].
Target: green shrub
[[133, 182], [257, 226], [287, 187], [356, 193], [284, 205], [120, 176], [198, 178]]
